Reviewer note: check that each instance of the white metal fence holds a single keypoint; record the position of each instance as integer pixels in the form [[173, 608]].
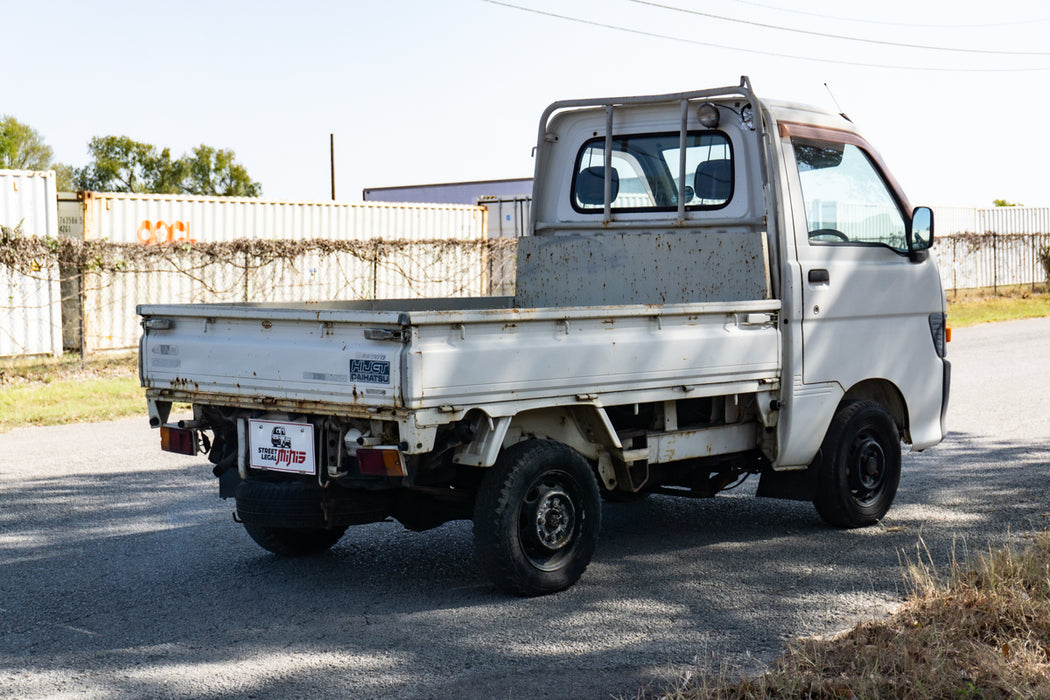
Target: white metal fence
[[381, 269], [386, 251], [991, 248], [314, 251], [30, 308]]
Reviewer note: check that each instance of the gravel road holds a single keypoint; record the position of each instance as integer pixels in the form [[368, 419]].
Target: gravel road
[[123, 575]]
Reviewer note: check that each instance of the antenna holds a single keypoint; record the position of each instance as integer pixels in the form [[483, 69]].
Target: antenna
[[837, 106]]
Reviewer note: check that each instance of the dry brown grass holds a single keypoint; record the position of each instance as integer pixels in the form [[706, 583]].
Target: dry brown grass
[[978, 632], [68, 367]]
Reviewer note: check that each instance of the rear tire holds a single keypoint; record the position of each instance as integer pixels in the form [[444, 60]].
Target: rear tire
[[536, 518], [859, 466], [287, 542]]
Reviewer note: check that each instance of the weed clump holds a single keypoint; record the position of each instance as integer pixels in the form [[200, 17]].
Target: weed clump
[[978, 632]]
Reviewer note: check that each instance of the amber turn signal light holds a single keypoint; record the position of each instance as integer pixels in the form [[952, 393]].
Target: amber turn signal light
[[178, 440]]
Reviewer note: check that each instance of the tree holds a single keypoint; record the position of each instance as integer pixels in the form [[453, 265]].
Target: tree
[[21, 147], [214, 172], [1004, 203], [121, 164]]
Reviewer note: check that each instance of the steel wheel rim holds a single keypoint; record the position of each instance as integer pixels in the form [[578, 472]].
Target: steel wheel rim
[[868, 469], [549, 521]]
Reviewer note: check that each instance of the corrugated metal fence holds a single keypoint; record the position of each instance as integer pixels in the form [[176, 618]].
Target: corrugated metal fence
[[412, 268], [387, 250], [991, 248], [30, 307], [406, 250]]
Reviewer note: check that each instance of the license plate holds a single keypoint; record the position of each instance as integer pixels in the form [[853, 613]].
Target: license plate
[[281, 447]]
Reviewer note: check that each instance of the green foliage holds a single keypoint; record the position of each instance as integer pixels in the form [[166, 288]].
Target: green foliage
[[21, 146], [50, 391], [971, 310], [121, 164], [64, 177], [214, 172], [1004, 203]]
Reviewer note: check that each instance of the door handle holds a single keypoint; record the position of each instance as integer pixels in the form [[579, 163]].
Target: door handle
[[819, 276]]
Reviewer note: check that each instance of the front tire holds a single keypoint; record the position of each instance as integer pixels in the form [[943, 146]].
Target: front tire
[[536, 518], [859, 466]]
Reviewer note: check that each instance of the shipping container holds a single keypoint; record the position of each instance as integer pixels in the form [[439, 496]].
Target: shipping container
[[451, 192], [30, 299], [508, 216], [406, 264], [71, 225]]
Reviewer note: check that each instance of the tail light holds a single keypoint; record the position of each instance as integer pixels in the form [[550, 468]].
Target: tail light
[[380, 461], [178, 440]]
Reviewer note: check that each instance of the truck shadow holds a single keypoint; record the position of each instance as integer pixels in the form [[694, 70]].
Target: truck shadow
[[142, 583]]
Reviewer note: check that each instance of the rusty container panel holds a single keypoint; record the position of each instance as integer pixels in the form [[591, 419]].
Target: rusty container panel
[[30, 300]]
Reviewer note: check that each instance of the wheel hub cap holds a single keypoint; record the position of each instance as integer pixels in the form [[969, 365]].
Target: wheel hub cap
[[555, 518], [870, 467]]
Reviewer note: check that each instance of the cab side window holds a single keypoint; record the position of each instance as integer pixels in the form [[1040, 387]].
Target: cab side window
[[847, 201]]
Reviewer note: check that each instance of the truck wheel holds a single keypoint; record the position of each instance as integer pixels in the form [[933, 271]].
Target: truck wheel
[[293, 543], [536, 518], [859, 466]]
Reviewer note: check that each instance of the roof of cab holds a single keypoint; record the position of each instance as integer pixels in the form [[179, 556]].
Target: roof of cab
[[784, 111]]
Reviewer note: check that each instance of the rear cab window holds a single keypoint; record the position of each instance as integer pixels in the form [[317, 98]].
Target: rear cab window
[[645, 172]]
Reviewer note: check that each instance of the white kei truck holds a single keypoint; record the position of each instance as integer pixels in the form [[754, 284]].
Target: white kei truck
[[714, 286]]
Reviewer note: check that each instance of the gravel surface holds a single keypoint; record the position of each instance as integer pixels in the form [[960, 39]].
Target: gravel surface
[[123, 575]]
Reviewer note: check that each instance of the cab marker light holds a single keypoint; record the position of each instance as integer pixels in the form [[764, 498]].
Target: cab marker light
[[940, 332]]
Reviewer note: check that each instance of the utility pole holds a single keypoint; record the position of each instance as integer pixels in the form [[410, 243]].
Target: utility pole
[[331, 150]]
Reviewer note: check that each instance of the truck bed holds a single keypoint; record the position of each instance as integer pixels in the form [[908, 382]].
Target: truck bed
[[452, 354]]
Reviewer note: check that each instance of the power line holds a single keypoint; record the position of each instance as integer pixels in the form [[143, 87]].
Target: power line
[[760, 52], [838, 36], [894, 24]]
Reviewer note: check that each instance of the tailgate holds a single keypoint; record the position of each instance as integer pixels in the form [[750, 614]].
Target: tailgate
[[271, 355]]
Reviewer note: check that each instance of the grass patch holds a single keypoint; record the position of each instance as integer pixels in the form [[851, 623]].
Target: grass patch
[[971, 307], [51, 391], [980, 632]]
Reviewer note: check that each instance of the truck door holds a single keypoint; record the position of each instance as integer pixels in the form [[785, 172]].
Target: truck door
[[866, 303]]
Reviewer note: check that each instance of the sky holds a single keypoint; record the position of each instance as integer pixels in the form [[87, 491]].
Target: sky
[[427, 91]]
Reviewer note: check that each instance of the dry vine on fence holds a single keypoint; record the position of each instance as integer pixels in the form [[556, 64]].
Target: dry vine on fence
[[27, 254]]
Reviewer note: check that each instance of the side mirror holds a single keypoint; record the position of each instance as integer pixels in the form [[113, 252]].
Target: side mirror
[[920, 230]]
